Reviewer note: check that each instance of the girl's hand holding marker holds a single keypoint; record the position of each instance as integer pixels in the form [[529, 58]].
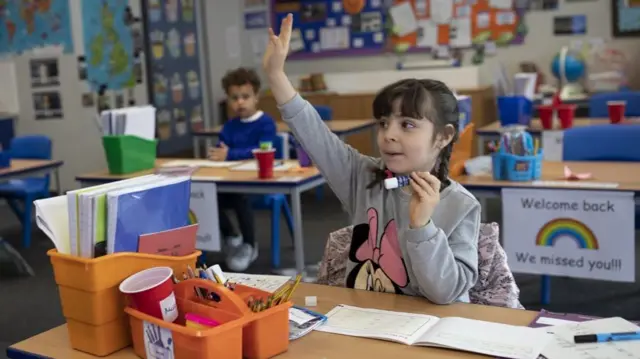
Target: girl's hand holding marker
[[424, 198]]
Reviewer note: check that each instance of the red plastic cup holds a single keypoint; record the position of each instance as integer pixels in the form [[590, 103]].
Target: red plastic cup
[[616, 110], [546, 116], [151, 292], [565, 115], [265, 159]]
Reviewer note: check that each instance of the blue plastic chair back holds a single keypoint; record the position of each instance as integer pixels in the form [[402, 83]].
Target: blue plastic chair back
[[35, 147], [278, 144], [602, 143], [598, 103], [325, 112]]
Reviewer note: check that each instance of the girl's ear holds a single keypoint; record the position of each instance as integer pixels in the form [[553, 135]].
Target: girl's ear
[[446, 136]]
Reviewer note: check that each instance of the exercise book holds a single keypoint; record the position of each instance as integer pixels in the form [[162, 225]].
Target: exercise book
[[495, 339]]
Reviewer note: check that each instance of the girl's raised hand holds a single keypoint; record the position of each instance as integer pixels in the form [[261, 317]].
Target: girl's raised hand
[[278, 47]]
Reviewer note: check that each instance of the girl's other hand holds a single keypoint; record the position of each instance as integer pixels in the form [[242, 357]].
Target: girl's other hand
[[278, 47]]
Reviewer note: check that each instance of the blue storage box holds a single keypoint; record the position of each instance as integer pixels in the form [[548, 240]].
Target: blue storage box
[[509, 167], [464, 107], [5, 159], [514, 110]]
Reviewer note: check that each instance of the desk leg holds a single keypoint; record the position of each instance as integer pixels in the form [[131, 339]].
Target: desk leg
[[296, 208], [56, 174], [196, 147]]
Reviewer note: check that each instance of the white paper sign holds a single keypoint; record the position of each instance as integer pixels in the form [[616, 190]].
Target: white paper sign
[[573, 233], [204, 211], [552, 144]]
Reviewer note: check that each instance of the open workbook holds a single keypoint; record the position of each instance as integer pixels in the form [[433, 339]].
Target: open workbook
[[495, 339]]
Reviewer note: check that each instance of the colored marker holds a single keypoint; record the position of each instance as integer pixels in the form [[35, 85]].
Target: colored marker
[[396, 182], [606, 337]]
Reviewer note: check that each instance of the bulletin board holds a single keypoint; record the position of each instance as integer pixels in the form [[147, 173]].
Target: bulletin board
[[325, 28]]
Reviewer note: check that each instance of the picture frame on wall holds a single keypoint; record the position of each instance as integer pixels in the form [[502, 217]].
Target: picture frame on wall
[[624, 18]]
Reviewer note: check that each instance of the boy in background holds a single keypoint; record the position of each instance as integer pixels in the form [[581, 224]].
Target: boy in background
[[240, 135]]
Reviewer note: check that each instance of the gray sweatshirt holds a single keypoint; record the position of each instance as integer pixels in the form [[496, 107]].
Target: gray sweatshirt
[[438, 261]]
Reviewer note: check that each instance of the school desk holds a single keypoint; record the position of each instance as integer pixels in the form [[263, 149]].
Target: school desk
[[492, 131], [341, 127], [31, 168], [55, 342], [291, 182]]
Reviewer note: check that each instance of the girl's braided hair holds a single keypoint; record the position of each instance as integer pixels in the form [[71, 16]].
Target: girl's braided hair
[[420, 99]]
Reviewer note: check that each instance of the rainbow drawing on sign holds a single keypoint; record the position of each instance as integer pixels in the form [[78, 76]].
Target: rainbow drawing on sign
[[192, 217], [559, 228]]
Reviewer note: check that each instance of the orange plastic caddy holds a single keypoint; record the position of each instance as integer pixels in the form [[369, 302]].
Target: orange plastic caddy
[[241, 333], [91, 302]]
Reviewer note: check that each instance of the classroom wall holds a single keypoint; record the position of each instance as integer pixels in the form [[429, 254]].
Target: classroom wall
[[540, 44]]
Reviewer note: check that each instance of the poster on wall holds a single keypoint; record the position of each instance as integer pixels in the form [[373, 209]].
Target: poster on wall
[[570, 25], [47, 105], [109, 45], [175, 77], [625, 18], [44, 72], [32, 25], [571, 233], [204, 211]]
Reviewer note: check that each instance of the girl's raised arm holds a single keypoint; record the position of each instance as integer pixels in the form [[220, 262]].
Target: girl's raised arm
[[339, 163]]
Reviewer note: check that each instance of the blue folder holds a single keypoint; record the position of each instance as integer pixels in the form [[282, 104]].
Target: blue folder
[[148, 209]]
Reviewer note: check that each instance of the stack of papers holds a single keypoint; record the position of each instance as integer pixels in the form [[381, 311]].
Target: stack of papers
[[134, 121], [109, 218]]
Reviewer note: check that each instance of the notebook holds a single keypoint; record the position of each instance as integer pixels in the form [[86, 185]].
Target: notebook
[[148, 208], [137, 121], [498, 340], [52, 217], [302, 321]]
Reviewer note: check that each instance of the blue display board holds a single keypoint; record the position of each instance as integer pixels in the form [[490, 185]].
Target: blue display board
[[323, 28]]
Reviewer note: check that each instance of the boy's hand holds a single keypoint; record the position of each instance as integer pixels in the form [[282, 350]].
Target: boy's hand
[[425, 198], [218, 153], [278, 47]]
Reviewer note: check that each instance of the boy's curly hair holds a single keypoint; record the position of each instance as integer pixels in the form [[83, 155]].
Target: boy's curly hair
[[241, 76]]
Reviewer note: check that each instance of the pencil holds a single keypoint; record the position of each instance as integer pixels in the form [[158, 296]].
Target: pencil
[[293, 287]]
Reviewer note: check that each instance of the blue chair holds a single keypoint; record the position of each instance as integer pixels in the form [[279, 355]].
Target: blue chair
[[278, 204], [614, 143], [598, 103], [325, 112], [27, 190]]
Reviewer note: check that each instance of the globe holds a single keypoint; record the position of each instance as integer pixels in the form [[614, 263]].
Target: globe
[[574, 66]]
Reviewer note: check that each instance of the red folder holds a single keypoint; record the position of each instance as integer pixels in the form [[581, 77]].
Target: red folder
[[174, 242]]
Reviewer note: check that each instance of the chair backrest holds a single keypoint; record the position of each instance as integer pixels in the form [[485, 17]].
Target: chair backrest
[[462, 151], [278, 144], [598, 103], [602, 143], [496, 285], [325, 112], [34, 147]]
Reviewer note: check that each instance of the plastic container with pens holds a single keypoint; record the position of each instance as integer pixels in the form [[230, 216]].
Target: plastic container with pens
[[518, 157], [241, 333]]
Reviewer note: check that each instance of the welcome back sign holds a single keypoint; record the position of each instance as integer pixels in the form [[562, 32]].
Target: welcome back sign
[[573, 233]]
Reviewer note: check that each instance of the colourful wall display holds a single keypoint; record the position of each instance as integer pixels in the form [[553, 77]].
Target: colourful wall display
[[326, 28]]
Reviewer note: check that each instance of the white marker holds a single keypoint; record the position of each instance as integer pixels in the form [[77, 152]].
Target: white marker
[[396, 182]]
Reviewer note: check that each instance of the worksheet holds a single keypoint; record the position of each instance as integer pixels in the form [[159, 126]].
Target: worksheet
[[562, 345]]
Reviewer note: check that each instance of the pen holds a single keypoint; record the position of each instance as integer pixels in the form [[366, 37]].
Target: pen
[[606, 337]]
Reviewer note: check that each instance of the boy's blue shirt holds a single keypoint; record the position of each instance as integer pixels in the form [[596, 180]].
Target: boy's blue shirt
[[242, 136]]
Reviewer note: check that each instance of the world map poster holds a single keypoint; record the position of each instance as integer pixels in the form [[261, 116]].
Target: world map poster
[[29, 24], [109, 44]]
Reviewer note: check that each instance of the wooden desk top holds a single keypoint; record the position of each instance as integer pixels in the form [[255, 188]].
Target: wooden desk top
[[626, 174], [55, 343], [20, 167], [219, 175], [536, 126], [339, 126]]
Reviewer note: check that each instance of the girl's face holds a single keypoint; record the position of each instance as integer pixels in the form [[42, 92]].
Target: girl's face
[[408, 144]]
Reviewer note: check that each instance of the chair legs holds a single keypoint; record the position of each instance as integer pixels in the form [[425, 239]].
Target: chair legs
[[279, 204], [24, 215]]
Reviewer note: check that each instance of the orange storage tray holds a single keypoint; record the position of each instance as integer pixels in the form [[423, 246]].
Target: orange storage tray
[[241, 333], [91, 302]]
